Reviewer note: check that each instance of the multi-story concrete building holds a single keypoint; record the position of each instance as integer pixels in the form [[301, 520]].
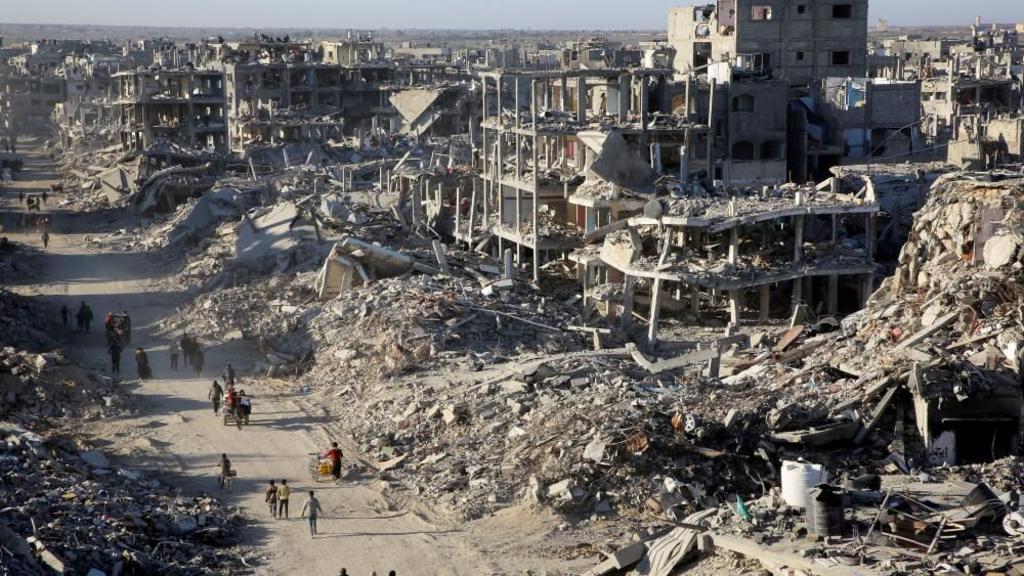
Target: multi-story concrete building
[[184, 106], [796, 40]]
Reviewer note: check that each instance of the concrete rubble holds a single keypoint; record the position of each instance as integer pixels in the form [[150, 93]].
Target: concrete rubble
[[578, 285], [67, 511]]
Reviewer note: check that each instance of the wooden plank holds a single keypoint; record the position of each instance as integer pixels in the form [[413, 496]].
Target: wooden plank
[[788, 338], [876, 417], [924, 333]]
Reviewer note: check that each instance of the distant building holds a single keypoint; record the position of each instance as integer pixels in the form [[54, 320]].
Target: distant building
[[796, 40]]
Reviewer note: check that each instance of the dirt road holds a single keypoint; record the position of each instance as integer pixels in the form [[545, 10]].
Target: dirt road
[[175, 432]]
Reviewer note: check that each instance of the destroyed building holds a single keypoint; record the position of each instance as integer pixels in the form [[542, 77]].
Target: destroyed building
[[798, 41], [540, 131], [705, 300], [185, 107]]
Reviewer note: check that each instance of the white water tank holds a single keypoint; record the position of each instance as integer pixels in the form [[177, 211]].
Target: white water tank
[[798, 478]]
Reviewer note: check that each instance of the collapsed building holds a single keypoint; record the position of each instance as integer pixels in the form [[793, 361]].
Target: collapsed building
[[186, 107], [671, 311]]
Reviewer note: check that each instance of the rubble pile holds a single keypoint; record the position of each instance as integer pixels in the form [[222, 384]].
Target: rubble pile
[[393, 325], [68, 511], [26, 323], [964, 256], [37, 387], [582, 432], [15, 261], [938, 343], [250, 311]]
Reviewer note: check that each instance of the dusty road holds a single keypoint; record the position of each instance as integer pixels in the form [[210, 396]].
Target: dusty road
[[175, 433]]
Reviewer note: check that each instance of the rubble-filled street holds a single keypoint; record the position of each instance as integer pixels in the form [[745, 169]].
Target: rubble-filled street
[[745, 298]]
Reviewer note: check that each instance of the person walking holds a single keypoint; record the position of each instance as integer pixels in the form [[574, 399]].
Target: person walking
[[335, 456], [225, 472], [142, 364], [88, 317], [244, 406], [175, 351], [64, 315], [186, 350], [283, 493], [80, 316], [229, 376], [311, 509], [115, 356], [46, 239], [215, 394], [270, 497], [197, 359]]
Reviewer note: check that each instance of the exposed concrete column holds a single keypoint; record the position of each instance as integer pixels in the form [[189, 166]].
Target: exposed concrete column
[[519, 122], [798, 292], [652, 327], [501, 119], [695, 300], [735, 306], [644, 105], [506, 257], [458, 214], [734, 245], [684, 159], [798, 239], [765, 302], [565, 93], [483, 97], [870, 238], [581, 100], [833, 294], [536, 185], [867, 288], [628, 288], [519, 222], [584, 278], [711, 132], [624, 99], [487, 207]]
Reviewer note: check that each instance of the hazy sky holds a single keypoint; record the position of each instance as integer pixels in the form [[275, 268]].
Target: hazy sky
[[487, 14]]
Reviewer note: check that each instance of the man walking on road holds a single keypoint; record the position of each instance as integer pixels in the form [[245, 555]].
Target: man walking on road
[[46, 239], [311, 509], [215, 394], [197, 359], [84, 317], [225, 473], [229, 376], [271, 499], [283, 493], [64, 314], [115, 356], [175, 350]]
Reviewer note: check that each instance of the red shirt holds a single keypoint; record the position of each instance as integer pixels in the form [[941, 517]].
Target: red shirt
[[334, 454]]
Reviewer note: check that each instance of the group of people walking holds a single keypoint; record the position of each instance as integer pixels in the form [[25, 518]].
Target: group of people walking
[[83, 316], [190, 350], [235, 402], [277, 497]]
